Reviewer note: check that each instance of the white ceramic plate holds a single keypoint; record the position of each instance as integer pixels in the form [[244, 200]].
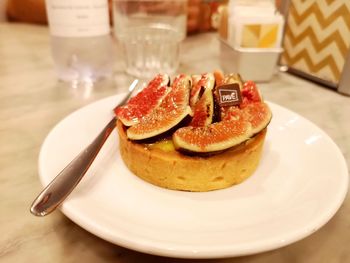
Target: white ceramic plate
[[299, 185]]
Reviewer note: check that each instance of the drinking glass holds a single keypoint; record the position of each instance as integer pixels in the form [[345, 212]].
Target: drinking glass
[[150, 33]]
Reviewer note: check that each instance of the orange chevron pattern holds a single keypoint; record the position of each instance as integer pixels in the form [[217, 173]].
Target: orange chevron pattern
[[327, 61], [319, 45], [342, 11], [317, 37]]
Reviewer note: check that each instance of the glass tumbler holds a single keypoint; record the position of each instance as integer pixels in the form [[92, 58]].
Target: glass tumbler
[[150, 33]]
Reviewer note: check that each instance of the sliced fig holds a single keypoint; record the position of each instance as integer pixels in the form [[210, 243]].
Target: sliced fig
[[238, 126], [258, 114], [205, 82], [203, 110], [233, 78], [195, 79], [214, 137], [172, 110], [145, 101], [250, 94], [219, 77], [232, 113]]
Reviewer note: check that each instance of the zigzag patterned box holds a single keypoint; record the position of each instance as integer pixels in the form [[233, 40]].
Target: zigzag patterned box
[[317, 41]]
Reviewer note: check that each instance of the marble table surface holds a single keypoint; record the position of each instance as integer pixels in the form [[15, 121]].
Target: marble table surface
[[32, 101]]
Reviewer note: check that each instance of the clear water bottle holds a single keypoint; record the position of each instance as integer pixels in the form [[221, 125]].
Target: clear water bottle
[[80, 39]]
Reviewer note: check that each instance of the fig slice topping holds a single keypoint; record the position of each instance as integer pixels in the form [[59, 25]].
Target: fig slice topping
[[200, 84], [238, 126], [172, 110], [219, 77], [250, 94], [258, 115], [145, 101], [203, 110], [233, 78], [214, 137]]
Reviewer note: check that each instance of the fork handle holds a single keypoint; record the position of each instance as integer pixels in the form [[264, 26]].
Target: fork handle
[[63, 184]]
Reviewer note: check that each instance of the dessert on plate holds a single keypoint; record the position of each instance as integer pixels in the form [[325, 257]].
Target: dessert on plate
[[194, 133]]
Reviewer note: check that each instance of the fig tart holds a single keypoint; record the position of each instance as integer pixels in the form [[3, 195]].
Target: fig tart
[[197, 133]]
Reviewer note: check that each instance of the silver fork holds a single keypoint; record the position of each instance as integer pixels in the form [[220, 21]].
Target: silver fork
[[64, 183]]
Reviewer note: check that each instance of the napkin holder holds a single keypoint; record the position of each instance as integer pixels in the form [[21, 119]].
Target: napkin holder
[[317, 40]]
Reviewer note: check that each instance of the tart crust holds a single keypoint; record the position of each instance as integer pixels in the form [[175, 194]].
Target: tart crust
[[177, 171]]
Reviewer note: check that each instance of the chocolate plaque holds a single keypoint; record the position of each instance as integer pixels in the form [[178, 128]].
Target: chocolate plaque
[[229, 95]]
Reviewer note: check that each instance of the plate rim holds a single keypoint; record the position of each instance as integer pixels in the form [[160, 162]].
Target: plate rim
[[227, 251]]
